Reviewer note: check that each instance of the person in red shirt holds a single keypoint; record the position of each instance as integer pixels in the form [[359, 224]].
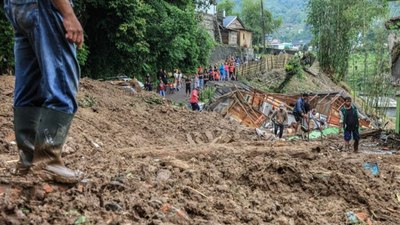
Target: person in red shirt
[[200, 70], [226, 68], [232, 71], [217, 75], [194, 99], [161, 88]]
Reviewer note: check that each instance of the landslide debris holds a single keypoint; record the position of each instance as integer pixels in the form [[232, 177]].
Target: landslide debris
[[148, 161]]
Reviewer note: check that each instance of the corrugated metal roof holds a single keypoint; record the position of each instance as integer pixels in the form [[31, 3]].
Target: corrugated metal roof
[[228, 20]]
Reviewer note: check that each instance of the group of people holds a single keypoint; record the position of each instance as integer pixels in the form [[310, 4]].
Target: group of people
[[166, 84], [47, 81], [308, 119]]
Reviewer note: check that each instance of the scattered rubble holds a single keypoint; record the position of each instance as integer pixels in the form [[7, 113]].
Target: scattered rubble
[[253, 107], [219, 172]]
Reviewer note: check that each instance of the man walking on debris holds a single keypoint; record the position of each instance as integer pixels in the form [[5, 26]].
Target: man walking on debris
[[47, 78], [349, 121], [299, 111], [280, 118]]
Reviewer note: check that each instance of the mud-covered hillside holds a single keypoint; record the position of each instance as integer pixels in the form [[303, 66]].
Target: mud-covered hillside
[[148, 161]]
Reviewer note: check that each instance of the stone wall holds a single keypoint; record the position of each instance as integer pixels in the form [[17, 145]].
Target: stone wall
[[208, 22], [221, 52]]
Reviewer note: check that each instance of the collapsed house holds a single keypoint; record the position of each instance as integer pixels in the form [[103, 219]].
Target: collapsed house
[[252, 107]]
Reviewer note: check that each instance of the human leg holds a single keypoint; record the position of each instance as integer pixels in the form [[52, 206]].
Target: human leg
[[356, 137], [47, 76], [195, 106], [347, 138], [280, 132]]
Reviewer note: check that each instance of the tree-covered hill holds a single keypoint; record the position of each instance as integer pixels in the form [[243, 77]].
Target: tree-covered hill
[[293, 14]]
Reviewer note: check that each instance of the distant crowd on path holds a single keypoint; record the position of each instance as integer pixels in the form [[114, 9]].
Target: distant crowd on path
[[169, 83]]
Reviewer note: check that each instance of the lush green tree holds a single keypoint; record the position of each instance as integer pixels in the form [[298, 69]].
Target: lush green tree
[[132, 37], [6, 44], [135, 37], [226, 5], [175, 39], [335, 24], [251, 16]]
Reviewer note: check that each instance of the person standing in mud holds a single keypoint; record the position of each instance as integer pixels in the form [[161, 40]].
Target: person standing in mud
[[299, 111], [46, 34], [280, 118], [349, 116]]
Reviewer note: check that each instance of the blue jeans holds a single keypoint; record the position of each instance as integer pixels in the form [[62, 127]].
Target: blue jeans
[[46, 65], [223, 75], [201, 83], [348, 134]]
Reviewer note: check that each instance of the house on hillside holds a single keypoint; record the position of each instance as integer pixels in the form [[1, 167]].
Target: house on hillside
[[234, 33]]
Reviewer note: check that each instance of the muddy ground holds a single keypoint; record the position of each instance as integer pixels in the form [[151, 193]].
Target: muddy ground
[[149, 162]]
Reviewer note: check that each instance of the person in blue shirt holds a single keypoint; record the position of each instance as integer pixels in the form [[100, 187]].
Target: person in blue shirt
[[222, 71], [299, 111]]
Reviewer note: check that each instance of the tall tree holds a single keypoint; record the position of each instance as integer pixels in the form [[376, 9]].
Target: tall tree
[[335, 24], [251, 16], [227, 6], [132, 37]]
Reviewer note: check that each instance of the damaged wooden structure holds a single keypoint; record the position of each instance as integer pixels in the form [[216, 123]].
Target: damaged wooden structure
[[235, 106], [252, 107], [327, 104]]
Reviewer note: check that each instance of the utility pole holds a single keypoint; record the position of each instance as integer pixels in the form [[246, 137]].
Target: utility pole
[[263, 25]]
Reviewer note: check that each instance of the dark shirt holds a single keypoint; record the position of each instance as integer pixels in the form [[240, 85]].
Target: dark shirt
[[350, 120], [161, 75], [299, 107], [188, 81]]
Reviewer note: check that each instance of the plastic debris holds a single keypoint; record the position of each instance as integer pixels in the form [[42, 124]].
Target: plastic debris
[[372, 167], [328, 131], [80, 220], [352, 218]]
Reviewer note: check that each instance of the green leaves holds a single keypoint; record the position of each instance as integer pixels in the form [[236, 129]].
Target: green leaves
[[6, 44], [141, 36], [131, 37], [335, 25], [226, 5], [251, 16]]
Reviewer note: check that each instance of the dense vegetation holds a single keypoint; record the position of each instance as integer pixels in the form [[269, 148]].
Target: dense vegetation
[[132, 37], [339, 26], [291, 13]]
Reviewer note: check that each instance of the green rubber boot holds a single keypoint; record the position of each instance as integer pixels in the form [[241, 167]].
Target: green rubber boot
[[26, 122], [52, 131]]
